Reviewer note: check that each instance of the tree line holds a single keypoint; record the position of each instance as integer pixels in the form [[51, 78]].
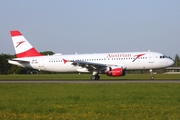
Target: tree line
[[6, 68]]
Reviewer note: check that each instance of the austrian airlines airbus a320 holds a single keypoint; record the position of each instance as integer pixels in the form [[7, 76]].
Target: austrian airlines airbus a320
[[111, 64]]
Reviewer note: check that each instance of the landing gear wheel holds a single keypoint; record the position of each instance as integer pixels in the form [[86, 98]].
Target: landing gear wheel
[[95, 77], [152, 77]]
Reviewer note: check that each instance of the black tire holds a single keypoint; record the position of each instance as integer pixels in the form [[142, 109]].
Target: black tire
[[97, 77], [152, 77], [93, 77]]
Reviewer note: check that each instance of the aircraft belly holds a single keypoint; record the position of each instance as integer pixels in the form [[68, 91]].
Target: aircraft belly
[[60, 67], [35, 66], [138, 65]]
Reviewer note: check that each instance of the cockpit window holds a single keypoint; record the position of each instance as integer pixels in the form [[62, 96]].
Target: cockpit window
[[164, 56]]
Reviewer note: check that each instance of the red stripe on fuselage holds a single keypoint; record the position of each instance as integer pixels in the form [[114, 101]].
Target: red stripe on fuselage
[[30, 53]]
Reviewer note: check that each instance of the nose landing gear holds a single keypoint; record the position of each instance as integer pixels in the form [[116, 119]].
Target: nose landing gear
[[151, 77]]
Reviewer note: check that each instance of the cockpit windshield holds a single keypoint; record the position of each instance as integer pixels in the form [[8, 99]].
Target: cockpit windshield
[[163, 56]]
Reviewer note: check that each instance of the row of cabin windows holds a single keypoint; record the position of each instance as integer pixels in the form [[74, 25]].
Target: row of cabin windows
[[100, 59]]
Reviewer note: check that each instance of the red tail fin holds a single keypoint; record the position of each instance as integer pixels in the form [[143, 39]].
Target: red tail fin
[[22, 47]]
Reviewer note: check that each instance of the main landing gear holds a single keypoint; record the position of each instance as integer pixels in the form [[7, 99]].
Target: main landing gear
[[151, 77], [95, 76]]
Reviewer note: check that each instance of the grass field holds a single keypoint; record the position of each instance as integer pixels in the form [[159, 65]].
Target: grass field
[[126, 101], [87, 77], [89, 101]]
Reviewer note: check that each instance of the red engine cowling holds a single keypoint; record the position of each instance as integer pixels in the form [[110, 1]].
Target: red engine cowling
[[115, 72]]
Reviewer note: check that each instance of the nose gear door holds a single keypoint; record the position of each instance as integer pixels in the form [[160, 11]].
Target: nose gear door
[[151, 57]]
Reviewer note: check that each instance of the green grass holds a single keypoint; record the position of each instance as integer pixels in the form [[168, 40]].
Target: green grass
[[87, 77], [90, 101]]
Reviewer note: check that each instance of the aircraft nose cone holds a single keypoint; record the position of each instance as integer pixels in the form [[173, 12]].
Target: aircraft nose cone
[[171, 62]]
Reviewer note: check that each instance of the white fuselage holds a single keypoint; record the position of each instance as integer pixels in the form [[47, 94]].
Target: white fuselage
[[127, 60]]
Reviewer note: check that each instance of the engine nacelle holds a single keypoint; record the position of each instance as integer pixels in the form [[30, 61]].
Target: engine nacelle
[[115, 71]]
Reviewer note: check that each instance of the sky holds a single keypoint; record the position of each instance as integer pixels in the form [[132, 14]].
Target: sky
[[93, 26]]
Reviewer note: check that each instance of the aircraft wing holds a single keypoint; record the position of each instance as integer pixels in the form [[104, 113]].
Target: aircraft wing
[[89, 65]]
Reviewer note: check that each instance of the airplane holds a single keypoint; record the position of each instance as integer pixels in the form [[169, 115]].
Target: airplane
[[111, 64]]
